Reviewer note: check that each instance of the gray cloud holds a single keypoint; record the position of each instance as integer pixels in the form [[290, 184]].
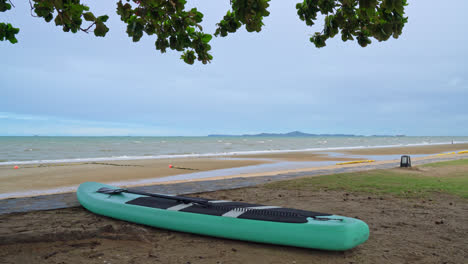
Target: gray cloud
[[275, 80]]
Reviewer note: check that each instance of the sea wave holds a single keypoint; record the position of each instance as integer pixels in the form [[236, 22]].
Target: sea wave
[[218, 154]]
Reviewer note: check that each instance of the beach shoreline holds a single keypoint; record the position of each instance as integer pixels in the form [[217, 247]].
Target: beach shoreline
[[37, 179]]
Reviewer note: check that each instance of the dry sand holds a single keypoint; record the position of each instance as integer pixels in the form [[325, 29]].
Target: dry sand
[[48, 176], [429, 230]]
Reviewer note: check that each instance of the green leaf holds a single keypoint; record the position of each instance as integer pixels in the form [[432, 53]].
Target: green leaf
[[188, 57], [190, 30], [8, 32], [318, 40], [103, 18], [100, 30], [49, 17], [4, 6], [206, 38], [88, 16], [13, 40]]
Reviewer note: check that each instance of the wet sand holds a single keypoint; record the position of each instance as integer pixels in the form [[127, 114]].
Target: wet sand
[[52, 176], [61, 177], [299, 156]]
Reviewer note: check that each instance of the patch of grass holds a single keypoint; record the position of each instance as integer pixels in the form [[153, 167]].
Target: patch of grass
[[447, 163], [383, 182]]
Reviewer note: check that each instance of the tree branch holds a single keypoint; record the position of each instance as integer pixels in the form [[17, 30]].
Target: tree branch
[[90, 26], [32, 8]]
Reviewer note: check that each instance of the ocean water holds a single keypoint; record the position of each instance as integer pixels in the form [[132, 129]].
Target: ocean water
[[38, 149]]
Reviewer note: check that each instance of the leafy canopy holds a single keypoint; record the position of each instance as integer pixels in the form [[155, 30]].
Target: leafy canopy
[[178, 28]]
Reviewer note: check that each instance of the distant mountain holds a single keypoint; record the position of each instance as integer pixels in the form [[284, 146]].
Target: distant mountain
[[290, 134], [387, 136]]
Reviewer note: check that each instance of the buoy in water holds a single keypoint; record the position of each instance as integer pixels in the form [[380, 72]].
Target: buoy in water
[[170, 166], [16, 167]]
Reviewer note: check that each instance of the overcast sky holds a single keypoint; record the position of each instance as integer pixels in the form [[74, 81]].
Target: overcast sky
[[56, 83]]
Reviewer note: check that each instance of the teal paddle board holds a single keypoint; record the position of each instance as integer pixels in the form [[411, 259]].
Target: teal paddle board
[[226, 219]]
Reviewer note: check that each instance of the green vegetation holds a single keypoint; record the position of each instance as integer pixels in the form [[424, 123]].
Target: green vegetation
[[411, 183], [179, 28], [447, 163]]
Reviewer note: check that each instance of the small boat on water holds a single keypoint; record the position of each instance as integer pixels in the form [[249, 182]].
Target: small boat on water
[[227, 219]]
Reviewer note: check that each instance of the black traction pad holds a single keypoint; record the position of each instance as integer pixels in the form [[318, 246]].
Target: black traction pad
[[286, 215]]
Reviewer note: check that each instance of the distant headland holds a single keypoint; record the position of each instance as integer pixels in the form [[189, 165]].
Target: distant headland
[[298, 134]]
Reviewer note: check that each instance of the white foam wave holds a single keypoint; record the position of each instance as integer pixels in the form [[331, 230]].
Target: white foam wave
[[220, 154]]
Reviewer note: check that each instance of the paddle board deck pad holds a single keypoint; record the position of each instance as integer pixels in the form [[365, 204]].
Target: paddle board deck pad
[[227, 219]]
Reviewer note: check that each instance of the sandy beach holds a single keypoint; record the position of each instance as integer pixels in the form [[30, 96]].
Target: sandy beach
[[413, 229], [63, 177], [425, 229], [48, 176]]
